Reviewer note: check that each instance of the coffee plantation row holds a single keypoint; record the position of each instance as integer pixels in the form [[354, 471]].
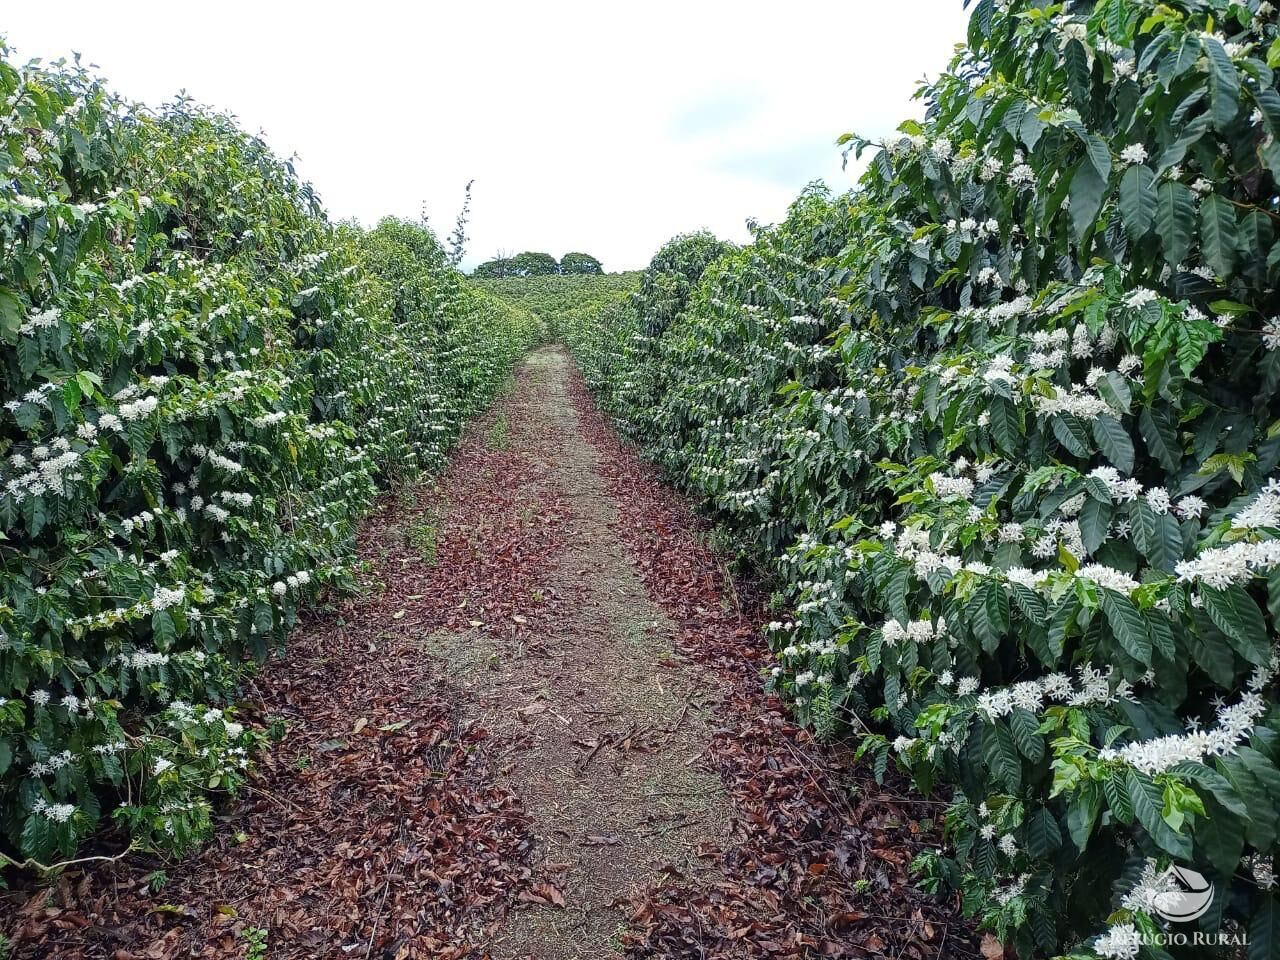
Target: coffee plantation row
[[1004, 424], [205, 384]]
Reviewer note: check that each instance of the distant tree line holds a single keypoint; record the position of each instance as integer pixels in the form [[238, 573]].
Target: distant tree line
[[533, 264]]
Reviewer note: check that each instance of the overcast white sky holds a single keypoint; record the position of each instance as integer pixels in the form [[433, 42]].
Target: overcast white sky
[[596, 126]]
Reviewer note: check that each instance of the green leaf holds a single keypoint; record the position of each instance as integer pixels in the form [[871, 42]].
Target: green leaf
[[1160, 438], [1148, 804], [1076, 60], [1118, 22], [1006, 424], [1138, 200], [1097, 488], [1235, 613], [1193, 341], [11, 315], [896, 594], [1224, 84], [1114, 389], [1030, 602], [1268, 101], [1162, 639], [1117, 794], [1026, 734], [1175, 218], [1214, 783], [163, 630], [1002, 757], [71, 396], [1262, 769], [988, 611], [1099, 155], [1043, 834], [1113, 441], [1264, 927], [1095, 523], [1158, 536], [1087, 192], [1128, 625], [1071, 433], [1082, 813], [1221, 836], [1188, 136], [1260, 825], [1218, 234], [1212, 652]]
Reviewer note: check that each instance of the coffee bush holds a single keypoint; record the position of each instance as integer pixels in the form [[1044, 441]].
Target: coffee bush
[[204, 385], [1004, 422]]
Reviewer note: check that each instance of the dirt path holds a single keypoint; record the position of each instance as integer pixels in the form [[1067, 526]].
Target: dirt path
[[601, 726], [539, 731]]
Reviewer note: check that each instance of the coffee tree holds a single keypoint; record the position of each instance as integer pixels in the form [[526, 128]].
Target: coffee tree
[[1004, 421], [205, 383]]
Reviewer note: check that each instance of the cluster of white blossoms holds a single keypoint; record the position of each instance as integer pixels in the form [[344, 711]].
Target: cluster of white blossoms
[[1239, 562], [1005, 894], [990, 277], [1154, 891], [162, 599], [746, 500], [52, 765], [1221, 567], [956, 486], [1262, 512], [268, 419], [291, 582], [1233, 725], [138, 409], [913, 544], [137, 522], [1121, 489], [1059, 531], [1121, 942], [40, 320], [57, 812], [972, 229], [52, 473], [143, 659], [1134, 153], [216, 459], [1093, 687], [917, 631]]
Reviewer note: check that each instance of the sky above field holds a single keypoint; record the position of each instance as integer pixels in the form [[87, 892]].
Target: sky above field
[[586, 126]]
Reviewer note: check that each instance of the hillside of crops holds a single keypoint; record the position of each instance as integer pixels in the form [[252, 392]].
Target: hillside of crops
[[1002, 423], [561, 301]]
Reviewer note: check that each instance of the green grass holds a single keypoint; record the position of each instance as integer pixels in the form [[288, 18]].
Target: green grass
[[424, 537], [500, 434]]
